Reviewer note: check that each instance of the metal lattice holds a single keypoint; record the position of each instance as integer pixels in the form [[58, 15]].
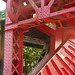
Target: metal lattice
[[16, 52], [63, 18]]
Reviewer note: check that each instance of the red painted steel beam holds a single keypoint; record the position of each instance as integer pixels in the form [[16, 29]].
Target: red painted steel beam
[[17, 52], [44, 61], [63, 11], [50, 32], [21, 53], [7, 69], [15, 25], [41, 64], [42, 13], [67, 29], [71, 33], [52, 44], [63, 61], [20, 9], [71, 4], [45, 29]]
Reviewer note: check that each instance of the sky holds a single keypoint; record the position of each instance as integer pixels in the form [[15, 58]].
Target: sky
[[2, 5]]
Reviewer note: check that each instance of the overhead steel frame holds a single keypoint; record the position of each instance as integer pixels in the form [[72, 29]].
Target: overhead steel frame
[[13, 51], [14, 29]]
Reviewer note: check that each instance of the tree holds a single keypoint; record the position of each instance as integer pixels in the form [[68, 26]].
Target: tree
[[2, 14], [30, 56]]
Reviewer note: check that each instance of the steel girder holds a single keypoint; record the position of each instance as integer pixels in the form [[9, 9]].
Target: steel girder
[[63, 25]]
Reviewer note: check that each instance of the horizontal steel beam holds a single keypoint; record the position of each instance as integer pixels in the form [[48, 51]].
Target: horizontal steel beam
[[15, 25], [45, 29]]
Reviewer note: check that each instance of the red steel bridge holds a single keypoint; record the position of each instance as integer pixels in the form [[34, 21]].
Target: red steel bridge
[[60, 60]]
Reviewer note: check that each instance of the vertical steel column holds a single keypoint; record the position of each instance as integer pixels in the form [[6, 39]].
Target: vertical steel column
[[17, 57], [21, 53], [8, 52], [59, 37], [52, 44], [8, 45]]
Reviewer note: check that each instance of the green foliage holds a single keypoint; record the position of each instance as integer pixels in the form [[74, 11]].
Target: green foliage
[[0, 27], [2, 14], [48, 24], [30, 56], [34, 15]]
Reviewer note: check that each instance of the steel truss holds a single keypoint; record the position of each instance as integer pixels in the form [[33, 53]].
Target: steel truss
[[19, 20]]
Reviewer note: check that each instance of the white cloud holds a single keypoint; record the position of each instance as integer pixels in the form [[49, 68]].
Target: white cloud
[[2, 5]]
